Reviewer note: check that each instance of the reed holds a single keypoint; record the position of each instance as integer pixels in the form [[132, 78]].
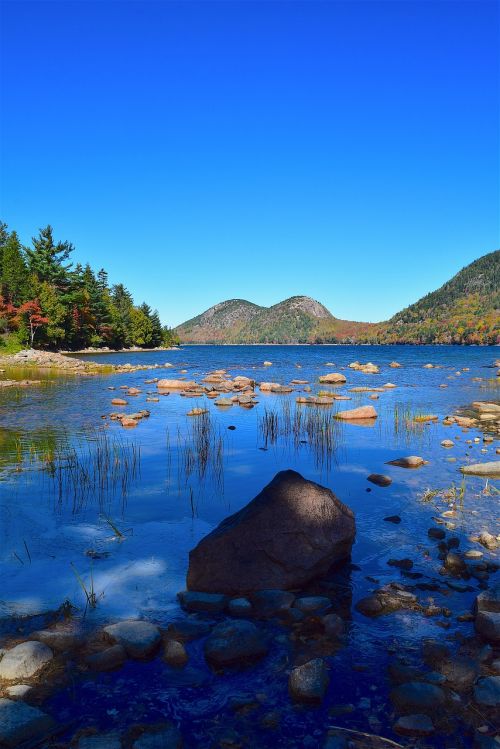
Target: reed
[[314, 426], [97, 466]]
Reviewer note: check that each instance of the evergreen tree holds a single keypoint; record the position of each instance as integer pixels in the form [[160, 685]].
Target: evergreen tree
[[47, 259], [121, 308], [14, 279], [140, 327], [4, 235], [156, 330]]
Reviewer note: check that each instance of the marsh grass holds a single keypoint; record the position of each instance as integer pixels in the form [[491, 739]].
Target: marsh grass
[[201, 448], [409, 423], [296, 426], [96, 467]]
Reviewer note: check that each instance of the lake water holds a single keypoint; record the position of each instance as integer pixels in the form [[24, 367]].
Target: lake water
[[158, 498]]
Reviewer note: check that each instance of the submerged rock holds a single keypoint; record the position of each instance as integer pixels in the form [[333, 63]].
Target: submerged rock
[[21, 723], [240, 607], [334, 626], [418, 694], [24, 660], [207, 603], [414, 725], [175, 654], [139, 638], [308, 683], [107, 660], [293, 531], [271, 603], [234, 643], [379, 479], [386, 600]]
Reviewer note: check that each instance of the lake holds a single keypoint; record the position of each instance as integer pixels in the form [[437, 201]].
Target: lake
[[83, 499]]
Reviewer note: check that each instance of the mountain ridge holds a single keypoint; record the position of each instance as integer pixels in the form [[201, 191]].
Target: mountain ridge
[[465, 309]]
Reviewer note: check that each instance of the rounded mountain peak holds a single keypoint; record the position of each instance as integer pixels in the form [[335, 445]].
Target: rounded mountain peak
[[308, 305]]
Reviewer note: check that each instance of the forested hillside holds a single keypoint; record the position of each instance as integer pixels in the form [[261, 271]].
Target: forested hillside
[[46, 301], [466, 309]]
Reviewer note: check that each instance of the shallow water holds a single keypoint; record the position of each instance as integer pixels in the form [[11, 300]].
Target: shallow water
[[162, 499]]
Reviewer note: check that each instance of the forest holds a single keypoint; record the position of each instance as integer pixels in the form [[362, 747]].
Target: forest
[[46, 301]]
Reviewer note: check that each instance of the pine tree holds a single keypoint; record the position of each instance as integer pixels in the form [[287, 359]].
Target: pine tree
[[121, 308], [14, 279], [47, 259], [157, 330], [4, 235]]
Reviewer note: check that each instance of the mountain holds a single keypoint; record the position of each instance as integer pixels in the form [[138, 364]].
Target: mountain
[[219, 324], [466, 309], [298, 319]]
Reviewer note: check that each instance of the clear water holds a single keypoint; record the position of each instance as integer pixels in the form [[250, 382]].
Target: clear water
[[52, 512]]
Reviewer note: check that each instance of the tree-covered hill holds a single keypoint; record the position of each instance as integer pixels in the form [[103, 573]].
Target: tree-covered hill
[[46, 301], [222, 323], [466, 309]]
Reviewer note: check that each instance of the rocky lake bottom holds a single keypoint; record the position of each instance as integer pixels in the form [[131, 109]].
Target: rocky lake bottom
[[109, 480]]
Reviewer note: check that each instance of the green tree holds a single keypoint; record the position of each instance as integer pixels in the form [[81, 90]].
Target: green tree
[[47, 259], [14, 278], [54, 332], [4, 235], [156, 330], [141, 329]]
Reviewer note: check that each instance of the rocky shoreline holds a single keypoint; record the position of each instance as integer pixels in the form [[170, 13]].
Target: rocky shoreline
[[58, 362], [441, 687], [257, 596]]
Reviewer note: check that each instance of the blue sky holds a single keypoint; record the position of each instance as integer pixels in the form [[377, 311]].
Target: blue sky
[[207, 150]]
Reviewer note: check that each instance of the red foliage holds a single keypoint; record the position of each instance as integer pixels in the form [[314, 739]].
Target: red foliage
[[32, 312]]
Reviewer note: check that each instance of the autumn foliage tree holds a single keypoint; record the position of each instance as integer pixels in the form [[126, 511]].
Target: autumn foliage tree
[[31, 313]]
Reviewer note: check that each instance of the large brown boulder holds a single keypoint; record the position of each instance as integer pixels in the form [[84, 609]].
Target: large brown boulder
[[293, 531]]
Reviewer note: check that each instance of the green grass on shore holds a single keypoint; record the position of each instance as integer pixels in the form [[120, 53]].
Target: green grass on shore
[[9, 344]]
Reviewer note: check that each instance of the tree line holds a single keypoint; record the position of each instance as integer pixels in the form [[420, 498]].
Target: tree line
[[47, 302]]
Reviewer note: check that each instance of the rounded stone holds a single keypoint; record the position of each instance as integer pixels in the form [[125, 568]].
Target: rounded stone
[[175, 654], [25, 660], [309, 682], [309, 604], [21, 723], [414, 725], [240, 607], [415, 694], [140, 639], [234, 643]]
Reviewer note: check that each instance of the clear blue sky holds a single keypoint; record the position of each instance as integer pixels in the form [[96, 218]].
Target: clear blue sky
[[207, 150]]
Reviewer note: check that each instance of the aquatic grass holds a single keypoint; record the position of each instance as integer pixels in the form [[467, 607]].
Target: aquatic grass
[[312, 426], [201, 452], [89, 592], [96, 466], [409, 424]]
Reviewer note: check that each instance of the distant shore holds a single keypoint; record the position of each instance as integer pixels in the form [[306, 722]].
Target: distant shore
[[134, 350]]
